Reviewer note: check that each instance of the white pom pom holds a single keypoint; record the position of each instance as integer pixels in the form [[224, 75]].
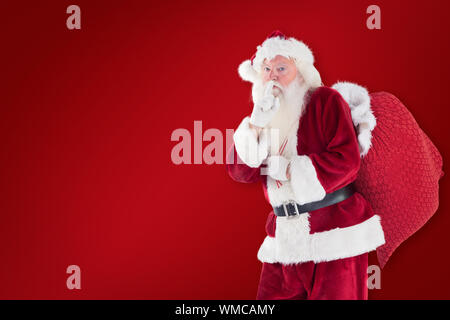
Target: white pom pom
[[247, 72]]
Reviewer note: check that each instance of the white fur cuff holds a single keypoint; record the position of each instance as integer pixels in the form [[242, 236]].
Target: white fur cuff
[[251, 150], [304, 181]]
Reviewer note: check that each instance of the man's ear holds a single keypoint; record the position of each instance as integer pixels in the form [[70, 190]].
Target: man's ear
[[300, 78]]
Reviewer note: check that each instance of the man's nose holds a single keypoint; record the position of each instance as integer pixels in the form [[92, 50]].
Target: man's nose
[[273, 75]]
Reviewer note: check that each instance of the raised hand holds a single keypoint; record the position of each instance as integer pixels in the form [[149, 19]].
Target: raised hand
[[265, 109]]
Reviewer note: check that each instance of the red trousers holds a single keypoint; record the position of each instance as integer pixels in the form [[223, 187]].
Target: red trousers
[[343, 279]]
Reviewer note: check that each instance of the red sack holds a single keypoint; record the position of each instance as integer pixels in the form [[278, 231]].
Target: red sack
[[400, 174]]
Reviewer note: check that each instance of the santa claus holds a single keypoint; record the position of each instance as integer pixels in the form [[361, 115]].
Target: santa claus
[[301, 143]]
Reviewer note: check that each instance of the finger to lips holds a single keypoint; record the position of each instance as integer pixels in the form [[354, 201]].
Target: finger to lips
[[268, 88], [276, 91]]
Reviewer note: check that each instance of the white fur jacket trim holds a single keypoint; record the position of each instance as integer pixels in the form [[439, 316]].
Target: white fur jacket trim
[[294, 244], [358, 99]]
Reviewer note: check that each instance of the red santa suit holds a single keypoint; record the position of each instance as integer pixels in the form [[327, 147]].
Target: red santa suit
[[324, 155], [320, 254]]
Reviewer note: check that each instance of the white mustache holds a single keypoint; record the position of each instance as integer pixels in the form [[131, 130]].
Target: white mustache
[[278, 87], [276, 84]]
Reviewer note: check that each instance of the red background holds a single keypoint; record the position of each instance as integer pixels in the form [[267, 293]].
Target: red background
[[87, 115]]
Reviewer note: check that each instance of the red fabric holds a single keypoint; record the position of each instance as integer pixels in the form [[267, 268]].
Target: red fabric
[[343, 279], [238, 170], [400, 174], [328, 137], [397, 179], [326, 134]]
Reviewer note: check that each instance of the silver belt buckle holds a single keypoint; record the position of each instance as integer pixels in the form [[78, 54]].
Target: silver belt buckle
[[287, 213]]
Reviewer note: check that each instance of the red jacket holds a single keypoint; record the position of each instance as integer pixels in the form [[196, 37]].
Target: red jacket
[[324, 156]]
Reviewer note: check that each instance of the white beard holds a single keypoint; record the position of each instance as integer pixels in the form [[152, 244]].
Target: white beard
[[284, 124], [292, 105]]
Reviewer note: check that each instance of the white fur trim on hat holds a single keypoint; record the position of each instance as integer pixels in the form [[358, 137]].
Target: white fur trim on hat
[[285, 47], [309, 73], [289, 48]]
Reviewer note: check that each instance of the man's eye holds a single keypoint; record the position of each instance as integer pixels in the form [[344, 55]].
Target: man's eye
[[281, 68], [266, 69]]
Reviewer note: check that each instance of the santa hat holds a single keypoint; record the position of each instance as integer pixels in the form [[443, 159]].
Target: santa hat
[[278, 44]]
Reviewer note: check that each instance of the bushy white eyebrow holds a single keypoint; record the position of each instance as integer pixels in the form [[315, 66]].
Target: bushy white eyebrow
[[279, 64]]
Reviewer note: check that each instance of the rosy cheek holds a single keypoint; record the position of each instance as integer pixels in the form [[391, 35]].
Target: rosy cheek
[[289, 76]]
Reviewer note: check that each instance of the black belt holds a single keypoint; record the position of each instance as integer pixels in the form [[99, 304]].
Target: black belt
[[293, 209]]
